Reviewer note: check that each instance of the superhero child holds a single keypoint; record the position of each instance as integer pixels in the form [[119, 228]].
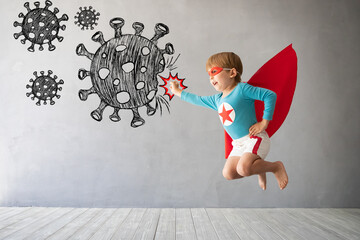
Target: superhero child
[[235, 105]]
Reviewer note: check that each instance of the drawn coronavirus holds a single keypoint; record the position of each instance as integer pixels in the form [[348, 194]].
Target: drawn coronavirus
[[87, 18], [40, 26], [44, 88], [124, 70]]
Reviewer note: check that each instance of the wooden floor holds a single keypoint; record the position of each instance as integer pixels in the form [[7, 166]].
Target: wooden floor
[[187, 224]]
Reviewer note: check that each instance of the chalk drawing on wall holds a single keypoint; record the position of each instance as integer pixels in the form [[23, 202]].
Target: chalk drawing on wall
[[124, 71], [167, 82], [87, 18], [170, 63], [40, 26], [44, 88]]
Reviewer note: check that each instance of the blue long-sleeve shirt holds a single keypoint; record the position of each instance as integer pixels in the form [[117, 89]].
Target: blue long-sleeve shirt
[[236, 110]]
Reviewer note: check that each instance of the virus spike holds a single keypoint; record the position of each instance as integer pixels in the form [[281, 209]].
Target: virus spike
[[160, 31], [150, 110], [38, 103], [51, 47], [169, 49], [56, 10], [41, 47], [59, 38], [139, 27], [52, 102], [31, 48], [50, 72], [82, 74], [21, 15], [115, 116], [64, 17], [17, 35], [35, 74], [97, 113], [82, 51], [23, 41], [83, 94], [17, 24], [137, 121], [98, 37], [27, 6], [47, 4], [37, 4], [117, 24]]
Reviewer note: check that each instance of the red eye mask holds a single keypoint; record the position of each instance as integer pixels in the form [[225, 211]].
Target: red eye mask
[[216, 70]]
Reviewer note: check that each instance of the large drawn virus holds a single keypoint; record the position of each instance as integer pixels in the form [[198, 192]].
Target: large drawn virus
[[87, 18], [124, 70], [44, 88], [40, 26]]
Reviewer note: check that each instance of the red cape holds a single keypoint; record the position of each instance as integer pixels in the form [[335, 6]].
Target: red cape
[[278, 75]]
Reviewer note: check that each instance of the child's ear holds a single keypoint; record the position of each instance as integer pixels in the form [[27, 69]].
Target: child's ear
[[233, 73]]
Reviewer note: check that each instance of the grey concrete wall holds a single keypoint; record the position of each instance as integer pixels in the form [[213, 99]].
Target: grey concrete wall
[[59, 156]]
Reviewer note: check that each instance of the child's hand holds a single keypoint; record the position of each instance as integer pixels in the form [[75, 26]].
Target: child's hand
[[258, 127], [175, 89]]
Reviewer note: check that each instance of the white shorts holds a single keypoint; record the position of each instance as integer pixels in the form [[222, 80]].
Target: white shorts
[[258, 144]]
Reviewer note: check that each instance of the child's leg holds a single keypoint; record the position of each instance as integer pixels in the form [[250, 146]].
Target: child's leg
[[250, 164], [230, 173], [262, 181], [229, 170]]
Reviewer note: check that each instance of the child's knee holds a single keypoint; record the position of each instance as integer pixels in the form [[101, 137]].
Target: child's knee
[[243, 169], [228, 174]]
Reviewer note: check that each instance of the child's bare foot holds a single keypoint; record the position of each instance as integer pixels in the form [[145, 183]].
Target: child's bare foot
[[262, 180], [281, 175]]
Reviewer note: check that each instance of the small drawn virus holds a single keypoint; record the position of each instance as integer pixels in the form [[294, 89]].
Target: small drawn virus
[[44, 87], [40, 26], [124, 71], [87, 18], [167, 82]]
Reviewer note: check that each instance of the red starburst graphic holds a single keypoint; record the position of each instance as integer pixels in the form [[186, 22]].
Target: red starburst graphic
[[170, 79]]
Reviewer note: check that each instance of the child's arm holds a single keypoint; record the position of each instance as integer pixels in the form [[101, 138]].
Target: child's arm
[[258, 127], [203, 101], [269, 99]]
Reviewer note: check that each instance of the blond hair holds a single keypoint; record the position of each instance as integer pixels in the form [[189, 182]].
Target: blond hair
[[226, 60]]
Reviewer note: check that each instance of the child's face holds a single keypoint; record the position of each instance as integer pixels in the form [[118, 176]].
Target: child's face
[[221, 78]]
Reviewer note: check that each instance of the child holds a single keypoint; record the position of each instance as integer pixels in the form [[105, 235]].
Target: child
[[235, 105]]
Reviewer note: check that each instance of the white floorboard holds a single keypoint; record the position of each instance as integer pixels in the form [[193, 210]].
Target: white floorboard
[[180, 223]]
